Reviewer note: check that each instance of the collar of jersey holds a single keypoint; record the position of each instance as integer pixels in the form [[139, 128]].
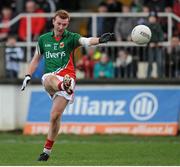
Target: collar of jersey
[[63, 35]]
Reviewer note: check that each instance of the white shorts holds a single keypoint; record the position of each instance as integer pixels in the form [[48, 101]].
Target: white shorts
[[70, 98]]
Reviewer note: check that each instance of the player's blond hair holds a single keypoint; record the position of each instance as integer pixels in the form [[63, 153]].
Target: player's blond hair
[[63, 14]]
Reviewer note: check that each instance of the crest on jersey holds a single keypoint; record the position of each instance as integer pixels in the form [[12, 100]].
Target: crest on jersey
[[61, 45]]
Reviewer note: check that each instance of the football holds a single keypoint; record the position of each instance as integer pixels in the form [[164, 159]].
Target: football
[[141, 34]]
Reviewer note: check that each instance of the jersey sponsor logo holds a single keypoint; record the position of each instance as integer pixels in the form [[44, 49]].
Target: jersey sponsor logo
[[61, 45], [143, 106], [55, 55]]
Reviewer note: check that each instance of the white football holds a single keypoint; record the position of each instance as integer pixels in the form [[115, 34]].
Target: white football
[[141, 34]]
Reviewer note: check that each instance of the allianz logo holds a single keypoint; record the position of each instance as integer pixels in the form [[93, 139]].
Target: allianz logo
[[84, 106], [55, 55], [143, 106]]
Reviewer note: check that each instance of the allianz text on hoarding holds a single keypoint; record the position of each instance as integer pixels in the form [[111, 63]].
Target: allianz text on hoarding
[[130, 110]]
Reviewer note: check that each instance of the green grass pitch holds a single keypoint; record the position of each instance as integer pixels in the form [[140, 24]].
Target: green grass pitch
[[16, 149]]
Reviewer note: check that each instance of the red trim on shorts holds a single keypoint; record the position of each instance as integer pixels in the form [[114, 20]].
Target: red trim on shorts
[[60, 85]]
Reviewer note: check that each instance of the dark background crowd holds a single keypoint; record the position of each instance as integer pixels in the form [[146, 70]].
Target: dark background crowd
[[153, 61]]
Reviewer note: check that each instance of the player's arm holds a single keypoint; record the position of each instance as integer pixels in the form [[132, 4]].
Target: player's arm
[[96, 40], [31, 69], [33, 64]]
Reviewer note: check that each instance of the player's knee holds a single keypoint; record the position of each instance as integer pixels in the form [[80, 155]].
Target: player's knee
[[51, 83], [55, 115], [48, 81]]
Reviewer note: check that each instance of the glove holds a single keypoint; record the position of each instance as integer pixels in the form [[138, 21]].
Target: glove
[[25, 81], [106, 37]]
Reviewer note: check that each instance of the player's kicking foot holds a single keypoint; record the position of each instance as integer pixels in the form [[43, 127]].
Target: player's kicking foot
[[67, 84], [43, 157]]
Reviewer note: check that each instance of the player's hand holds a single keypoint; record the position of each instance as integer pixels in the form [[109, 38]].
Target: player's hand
[[106, 37], [25, 81]]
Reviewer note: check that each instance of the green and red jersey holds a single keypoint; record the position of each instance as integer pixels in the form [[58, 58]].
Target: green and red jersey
[[58, 53]]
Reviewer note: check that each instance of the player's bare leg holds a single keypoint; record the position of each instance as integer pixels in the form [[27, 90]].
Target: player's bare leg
[[59, 104]]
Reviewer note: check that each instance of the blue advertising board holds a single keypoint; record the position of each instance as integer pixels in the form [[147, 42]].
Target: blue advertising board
[[118, 107]]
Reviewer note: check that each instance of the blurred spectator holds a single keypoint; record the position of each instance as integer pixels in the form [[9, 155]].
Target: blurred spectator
[[158, 5], [101, 21], [13, 5], [13, 56], [164, 23], [47, 6], [124, 66], [136, 6], [176, 10], [6, 16], [113, 6], [102, 25], [37, 23], [155, 5], [176, 7], [174, 58], [124, 26], [68, 5], [154, 50], [104, 68], [8, 3], [169, 3], [86, 64], [144, 20], [126, 2], [80, 74], [97, 55]]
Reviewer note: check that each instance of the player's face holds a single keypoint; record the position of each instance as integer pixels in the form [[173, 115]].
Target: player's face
[[60, 25]]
